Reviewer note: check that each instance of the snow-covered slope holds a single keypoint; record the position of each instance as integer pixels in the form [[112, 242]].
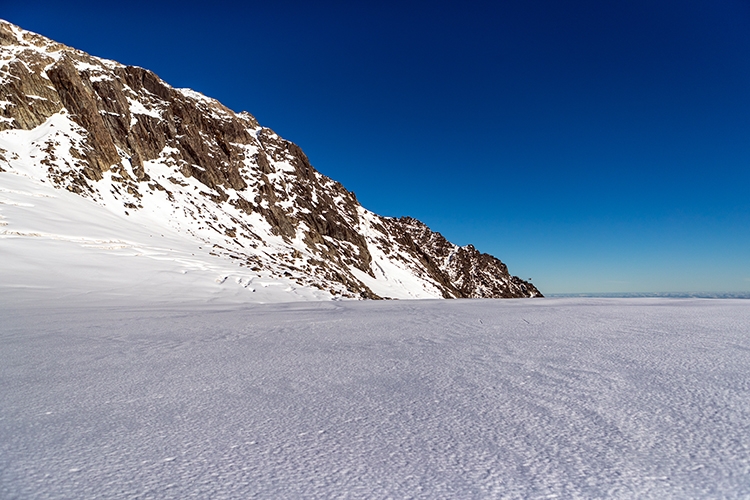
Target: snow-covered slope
[[56, 246], [93, 151]]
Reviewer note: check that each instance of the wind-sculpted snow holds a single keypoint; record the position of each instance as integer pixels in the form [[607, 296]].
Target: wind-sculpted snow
[[566, 398]]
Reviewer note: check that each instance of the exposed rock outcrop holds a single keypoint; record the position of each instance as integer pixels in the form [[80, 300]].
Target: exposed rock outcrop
[[121, 136]]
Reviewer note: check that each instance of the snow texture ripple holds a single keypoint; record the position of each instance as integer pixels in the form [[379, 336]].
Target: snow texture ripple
[[568, 398]]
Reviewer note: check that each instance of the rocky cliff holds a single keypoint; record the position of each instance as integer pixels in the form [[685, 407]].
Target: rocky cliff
[[127, 140]]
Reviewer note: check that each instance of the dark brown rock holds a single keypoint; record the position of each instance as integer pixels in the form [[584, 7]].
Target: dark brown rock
[[131, 117], [79, 98]]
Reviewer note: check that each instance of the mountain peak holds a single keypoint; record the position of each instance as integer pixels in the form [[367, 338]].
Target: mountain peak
[[121, 137]]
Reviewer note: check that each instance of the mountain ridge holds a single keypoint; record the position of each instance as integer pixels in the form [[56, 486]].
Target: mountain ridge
[[130, 142]]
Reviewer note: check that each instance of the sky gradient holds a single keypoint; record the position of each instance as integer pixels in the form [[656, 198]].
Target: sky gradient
[[591, 146]]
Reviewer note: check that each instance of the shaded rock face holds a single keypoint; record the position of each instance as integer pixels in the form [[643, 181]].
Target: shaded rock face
[[464, 271], [130, 141]]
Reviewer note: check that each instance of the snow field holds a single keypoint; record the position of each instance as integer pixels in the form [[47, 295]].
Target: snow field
[[68, 248], [544, 398]]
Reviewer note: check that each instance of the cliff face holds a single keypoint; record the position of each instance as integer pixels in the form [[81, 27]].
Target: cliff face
[[127, 140]]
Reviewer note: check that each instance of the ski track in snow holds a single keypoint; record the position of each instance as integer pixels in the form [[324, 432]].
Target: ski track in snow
[[566, 398]]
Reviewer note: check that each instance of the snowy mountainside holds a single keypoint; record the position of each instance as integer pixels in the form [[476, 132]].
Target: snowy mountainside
[[148, 158], [58, 247]]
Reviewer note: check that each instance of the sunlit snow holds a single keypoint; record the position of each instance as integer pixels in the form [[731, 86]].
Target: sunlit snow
[[136, 364], [66, 247], [139, 360]]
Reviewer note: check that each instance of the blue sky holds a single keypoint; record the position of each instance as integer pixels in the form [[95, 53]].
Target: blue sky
[[592, 146]]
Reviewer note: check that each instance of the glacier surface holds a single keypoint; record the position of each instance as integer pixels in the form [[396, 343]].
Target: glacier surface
[[568, 398]]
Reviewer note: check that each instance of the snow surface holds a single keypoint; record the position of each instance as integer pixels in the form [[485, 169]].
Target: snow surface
[[65, 247], [139, 361], [543, 398], [53, 239]]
